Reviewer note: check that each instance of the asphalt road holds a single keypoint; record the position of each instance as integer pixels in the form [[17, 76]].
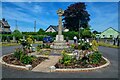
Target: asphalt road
[[7, 50], [108, 72]]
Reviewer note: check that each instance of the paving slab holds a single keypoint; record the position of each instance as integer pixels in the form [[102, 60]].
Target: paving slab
[[45, 65]]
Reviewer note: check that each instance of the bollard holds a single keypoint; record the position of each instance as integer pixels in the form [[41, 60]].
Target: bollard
[[29, 67], [52, 68]]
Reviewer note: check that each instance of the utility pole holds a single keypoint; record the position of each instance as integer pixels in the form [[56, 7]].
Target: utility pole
[[16, 25], [35, 26]]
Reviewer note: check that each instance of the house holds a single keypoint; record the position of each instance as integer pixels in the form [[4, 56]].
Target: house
[[52, 28], [4, 27], [109, 33]]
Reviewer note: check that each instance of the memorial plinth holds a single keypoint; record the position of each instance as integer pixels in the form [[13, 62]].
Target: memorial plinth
[[59, 43]]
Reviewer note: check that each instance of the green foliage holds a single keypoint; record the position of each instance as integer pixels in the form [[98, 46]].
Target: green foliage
[[83, 45], [46, 46], [66, 60], [41, 31], [94, 45], [30, 39], [29, 33], [17, 34], [85, 33], [69, 50], [39, 47], [72, 46], [96, 32], [38, 37], [23, 42], [52, 34], [18, 54], [70, 34], [26, 59], [95, 58], [6, 37]]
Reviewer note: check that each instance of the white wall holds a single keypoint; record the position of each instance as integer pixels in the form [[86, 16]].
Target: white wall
[[50, 30]]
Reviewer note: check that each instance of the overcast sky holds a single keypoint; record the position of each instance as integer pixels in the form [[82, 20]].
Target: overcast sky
[[102, 14]]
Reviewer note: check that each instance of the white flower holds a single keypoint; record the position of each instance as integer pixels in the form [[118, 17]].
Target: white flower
[[78, 43], [90, 43], [87, 40], [30, 44], [82, 39]]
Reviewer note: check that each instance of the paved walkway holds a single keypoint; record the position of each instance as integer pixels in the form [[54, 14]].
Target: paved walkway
[[45, 65]]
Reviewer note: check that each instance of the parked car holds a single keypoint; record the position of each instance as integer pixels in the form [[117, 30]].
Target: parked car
[[48, 39]]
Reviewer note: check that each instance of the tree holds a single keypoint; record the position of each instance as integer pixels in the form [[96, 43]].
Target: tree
[[95, 32], [85, 33], [41, 31], [17, 34], [76, 15]]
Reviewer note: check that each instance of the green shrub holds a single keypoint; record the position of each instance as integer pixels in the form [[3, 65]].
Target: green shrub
[[18, 54], [70, 34], [72, 46], [39, 47], [66, 60], [95, 58], [84, 45], [46, 46], [94, 45], [26, 59]]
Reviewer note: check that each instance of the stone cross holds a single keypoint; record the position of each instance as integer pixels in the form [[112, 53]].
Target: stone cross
[[60, 12]]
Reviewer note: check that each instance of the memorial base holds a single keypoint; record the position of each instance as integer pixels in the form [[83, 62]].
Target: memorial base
[[59, 43]]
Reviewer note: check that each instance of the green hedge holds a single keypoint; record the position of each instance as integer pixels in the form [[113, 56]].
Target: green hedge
[[38, 37], [6, 37], [70, 34]]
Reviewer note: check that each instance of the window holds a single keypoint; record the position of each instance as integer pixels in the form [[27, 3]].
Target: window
[[50, 29], [111, 36]]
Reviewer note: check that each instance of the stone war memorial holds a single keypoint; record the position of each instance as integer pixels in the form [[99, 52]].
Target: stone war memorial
[[59, 43]]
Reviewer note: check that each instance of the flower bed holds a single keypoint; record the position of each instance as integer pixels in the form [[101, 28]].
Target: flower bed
[[80, 65], [83, 56], [10, 59]]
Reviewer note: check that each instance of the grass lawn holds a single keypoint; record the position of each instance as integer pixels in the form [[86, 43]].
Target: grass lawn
[[107, 45], [15, 44], [8, 44]]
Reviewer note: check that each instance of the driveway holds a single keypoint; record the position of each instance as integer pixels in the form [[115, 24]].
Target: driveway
[[108, 72]]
